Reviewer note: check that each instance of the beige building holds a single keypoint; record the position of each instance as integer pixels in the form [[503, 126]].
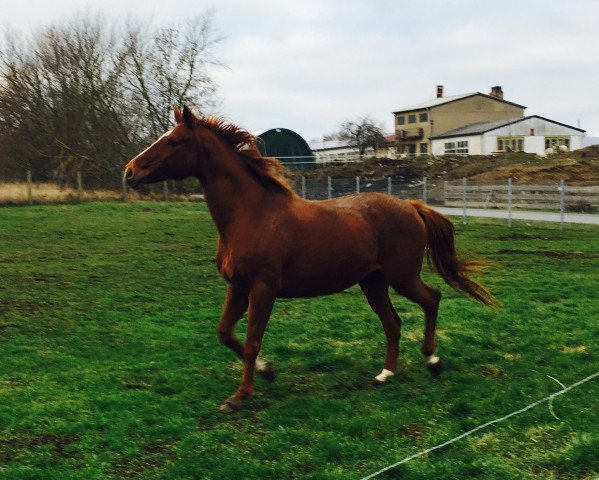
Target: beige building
[[415, 125]]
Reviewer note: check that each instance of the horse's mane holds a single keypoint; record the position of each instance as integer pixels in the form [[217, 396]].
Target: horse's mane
[[267, 171]]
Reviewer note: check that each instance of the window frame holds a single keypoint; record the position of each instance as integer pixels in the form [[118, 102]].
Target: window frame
[[510, 143], [557, 140], [459, 147]]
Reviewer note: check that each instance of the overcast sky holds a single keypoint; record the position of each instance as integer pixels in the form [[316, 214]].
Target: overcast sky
[[311, 64]]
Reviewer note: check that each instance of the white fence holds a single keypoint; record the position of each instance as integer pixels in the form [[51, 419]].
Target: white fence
[[558, 196], [508, 197]]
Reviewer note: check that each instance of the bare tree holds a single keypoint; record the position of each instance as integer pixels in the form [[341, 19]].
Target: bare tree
[[169, 66], [86, 93], [362, 133]]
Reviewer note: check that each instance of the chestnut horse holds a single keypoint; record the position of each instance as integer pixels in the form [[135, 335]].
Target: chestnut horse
[[273, 243]]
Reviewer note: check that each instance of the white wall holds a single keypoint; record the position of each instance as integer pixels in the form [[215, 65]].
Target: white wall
[[542, 128], [486, 144], [336, 154]]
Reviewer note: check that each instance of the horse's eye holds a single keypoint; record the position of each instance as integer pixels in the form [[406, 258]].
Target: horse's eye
[[172, 142]]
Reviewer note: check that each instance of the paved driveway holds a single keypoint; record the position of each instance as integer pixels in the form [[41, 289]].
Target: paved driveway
[[522, 215]]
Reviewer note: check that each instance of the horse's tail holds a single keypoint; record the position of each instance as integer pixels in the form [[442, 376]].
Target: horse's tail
[[441, 253]]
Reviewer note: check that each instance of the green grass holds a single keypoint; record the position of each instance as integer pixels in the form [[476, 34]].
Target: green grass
[[111, 368]]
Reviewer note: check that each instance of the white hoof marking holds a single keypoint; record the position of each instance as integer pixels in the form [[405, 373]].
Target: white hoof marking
[[432, 360], [261, 365], [384, 375]]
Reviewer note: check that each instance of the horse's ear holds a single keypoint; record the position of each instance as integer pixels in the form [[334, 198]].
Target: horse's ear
[[188, 117], [178, 115]]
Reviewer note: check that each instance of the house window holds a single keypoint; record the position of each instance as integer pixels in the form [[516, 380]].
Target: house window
[[423, 117], [510, 144], [401, 120], [556, 141], [412, 149], [456, 148], [424, 149], [411, 118]]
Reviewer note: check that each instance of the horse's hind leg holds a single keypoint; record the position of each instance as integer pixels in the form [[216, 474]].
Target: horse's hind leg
[[376, 291], [428, 298]]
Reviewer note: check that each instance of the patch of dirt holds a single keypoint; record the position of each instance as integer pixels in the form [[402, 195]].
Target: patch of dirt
[[492, 371], [575, 168], [134, 385], [10, 448], [571, 170], [410, 431]]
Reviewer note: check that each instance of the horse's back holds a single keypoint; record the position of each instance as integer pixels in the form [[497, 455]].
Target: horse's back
[[337, 242]]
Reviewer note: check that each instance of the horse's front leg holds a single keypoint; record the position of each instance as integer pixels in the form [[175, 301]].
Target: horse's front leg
[[261, 300], [236, 303]]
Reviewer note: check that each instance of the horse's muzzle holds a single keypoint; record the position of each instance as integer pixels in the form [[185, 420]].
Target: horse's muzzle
[[131, 182]]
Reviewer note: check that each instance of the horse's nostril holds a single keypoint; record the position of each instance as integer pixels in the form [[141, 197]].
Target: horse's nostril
[[129, 174]]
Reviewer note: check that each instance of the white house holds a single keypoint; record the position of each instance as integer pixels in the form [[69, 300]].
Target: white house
[[533, 134], [335, 150]]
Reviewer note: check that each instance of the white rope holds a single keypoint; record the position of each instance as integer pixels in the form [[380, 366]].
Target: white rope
[[549, 398]]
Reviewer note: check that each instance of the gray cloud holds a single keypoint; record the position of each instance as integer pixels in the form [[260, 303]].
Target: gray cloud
[[310, 65]]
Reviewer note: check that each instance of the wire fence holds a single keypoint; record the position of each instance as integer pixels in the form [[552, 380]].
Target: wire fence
[[508, 197], [548, 399], [35, 187], [329, 187]]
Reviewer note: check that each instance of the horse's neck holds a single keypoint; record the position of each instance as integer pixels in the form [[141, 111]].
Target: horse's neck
[[229, 190]]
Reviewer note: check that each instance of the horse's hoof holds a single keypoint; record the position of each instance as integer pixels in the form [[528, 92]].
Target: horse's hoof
[[267, 372], [382, 377], [435, 366], [230, 405]]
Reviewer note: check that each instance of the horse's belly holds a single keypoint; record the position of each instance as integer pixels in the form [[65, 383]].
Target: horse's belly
[[322, 278], [314, 289]]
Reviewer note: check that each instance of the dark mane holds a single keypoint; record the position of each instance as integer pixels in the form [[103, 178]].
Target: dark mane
[[267, 171]]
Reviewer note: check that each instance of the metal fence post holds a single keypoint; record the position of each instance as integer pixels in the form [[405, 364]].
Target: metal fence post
[[389, 186], [562, 202], [464, 199], [303, 187], [165, 190], [509, 202], [79, 187], [357, 184], [329, 188], [29, 195], [445, 192], [424, 190]]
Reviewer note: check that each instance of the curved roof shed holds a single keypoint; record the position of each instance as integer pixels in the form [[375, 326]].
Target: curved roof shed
[[287, 146]]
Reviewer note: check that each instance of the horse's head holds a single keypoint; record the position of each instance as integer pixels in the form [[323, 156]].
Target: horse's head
[[172, 156]]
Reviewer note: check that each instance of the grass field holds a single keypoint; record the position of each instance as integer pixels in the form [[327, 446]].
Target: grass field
[[111, 368]]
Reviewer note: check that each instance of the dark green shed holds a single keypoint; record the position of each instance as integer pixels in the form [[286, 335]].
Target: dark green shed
[[288, 147]]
